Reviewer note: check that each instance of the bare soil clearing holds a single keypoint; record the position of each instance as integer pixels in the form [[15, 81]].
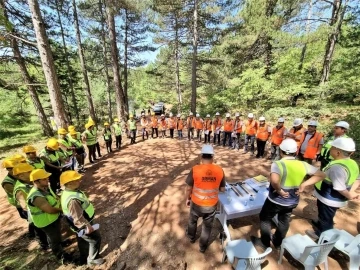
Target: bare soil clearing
[[138, 193]]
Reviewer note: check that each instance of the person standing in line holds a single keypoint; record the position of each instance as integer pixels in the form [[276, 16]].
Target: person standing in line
[[207, 128], [154, 125], [217, 128], [276, 138], [238, 124], [228, 129], [144, 125], [107, 134], [180, 123], [190, 124], [199, 126], [262, 136], [97, 145], [89, 138], [311, 143], [163, 126], [118, 133], [31, 157], [131, 125], [251, 127], [171, 125], [79, 151], [296, 131]]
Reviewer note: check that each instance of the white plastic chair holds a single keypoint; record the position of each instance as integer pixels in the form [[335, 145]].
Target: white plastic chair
[[347, 244], [243, 255], [306, 251]]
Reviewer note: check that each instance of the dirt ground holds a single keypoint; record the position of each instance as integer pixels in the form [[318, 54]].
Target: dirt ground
[[138, 193]]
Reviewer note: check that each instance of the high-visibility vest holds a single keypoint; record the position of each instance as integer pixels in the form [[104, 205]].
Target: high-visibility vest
[[66, 142], [37, 163], [132, 124], [217, 123], [163, 123], [277, 135], [313, 144], [263, 132], [228, 125], [40, 218], [208, 124], [86, 205], [199, 123], [292, 173], [179, 124], [325, 187], [78, 136], [190, 122], [20, 186], [207, 179], [154, 122], [297, 133], [325, 150], [171, 123], [10, 196], [53, 157], [107, 134], [90, 137], [238, 126], [77, 143], [117, 129], [250, 127]]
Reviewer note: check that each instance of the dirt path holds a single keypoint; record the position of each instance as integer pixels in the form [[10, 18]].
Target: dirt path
[[138, 194]]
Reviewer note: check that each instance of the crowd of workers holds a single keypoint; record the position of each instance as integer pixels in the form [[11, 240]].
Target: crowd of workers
[[45, 187]]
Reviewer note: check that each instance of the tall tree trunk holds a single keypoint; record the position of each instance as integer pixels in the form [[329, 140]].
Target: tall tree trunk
[[119, 92], [83, 64], [177, 68], [105, 60], [337, 17], [126, 71], [270, 7], [72, 91], [194, 59], [307, 31], [48, 65], [47, 130]]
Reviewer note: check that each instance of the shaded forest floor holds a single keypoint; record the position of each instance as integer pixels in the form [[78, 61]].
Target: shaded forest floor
[[138, 193]]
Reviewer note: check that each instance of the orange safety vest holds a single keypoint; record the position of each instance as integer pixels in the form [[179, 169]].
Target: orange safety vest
[[251, 128], [199, 124], [208, 125], [171, 123], [313, 144], [154, 122], [238, 126], [297, 133], [263, 133], [179, 124], [190, 122], [207, 179], [228, 125], [217, 123], [163, 123], [277, 135]]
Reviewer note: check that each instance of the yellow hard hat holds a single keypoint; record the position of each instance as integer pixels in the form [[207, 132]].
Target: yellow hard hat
[[88, 125], [29, 149], [38, 174], [62, 131], [106, 124], [9, 163], [131, 116], [53, 144], [152, 113], [69, 176], [20, 158], [91, 122], [116, 119], [73, 132], [71, 128], [22, 168]]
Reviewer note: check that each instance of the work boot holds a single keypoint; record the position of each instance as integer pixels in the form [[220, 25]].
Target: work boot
[[97, 261], [257, 242], [66, 258]]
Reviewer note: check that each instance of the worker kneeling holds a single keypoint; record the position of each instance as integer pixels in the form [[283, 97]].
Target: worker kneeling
[[80, 212], [203, 184]]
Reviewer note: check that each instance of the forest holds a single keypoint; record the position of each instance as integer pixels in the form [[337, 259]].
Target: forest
[[103, 58]]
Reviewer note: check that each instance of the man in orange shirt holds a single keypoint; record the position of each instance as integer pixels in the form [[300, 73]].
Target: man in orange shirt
[[180, 123], [277, 136], [262, 135], [237, 129], [190, 124], [228, 129], [203, 185], [311, 143], [207, 128], [154, 126], [296, 131], [251, 127], [199, 126], [217, 128], [171, 125]]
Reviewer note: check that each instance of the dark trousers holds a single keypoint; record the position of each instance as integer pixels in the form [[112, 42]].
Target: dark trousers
[[118, 141], [218, 138], [198, 134], [260, 148], [207, 137], [154, 131], [89, 246], [191, 132], [54, 178], [145, 132], [324, 163], [132, 136], [163, 133], [326, 216], [180, 134], [236, 143], [249, 139], [23, 214], [268, 211], [53, 233], [208, 219], [227, 136], [171, 133], [301, 157], [108, 145], [91, 149], [98, 148], [275, 152]]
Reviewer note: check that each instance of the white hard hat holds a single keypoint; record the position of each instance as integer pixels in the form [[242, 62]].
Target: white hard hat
[[250, 115], [217, 114], [208, 115], [179, 115], [171, 115], [237, 114], [228, 115], [342, 124], [207, 149], [313, 123], [191, 114], [281, 120], [262, 118], [197, 115], [346, 144], [297, 122], [289, 146], [162, 115], [143, 114]]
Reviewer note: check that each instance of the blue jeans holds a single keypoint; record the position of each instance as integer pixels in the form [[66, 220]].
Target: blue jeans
[[180, 135], [326, 216], [251, 139]]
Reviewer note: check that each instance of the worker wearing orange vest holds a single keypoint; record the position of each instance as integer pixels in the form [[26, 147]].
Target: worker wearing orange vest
[[154, 126], [296, 131], [180, 123], [203, 185], [228, 129], [262, 136], [171, 125], [199, 126], [190, 124], [277, 136], [217, 123], [207, 128], [311, 143], [144, 125], [251, 127], [162, 126], [238, 124]]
